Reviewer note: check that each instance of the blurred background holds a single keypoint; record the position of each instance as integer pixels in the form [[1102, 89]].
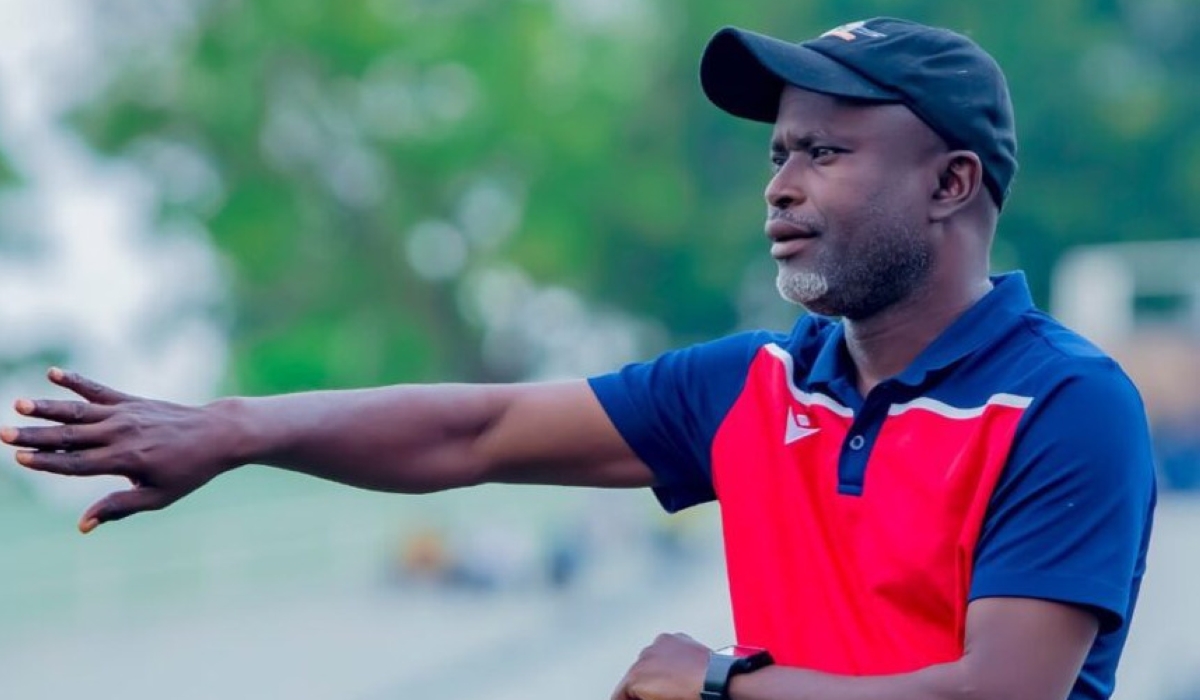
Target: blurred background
[[203, 197]]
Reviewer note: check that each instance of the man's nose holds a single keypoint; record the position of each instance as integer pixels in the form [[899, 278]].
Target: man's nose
[[784, 189]]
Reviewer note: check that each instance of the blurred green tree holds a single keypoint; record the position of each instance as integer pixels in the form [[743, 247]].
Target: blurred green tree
[[358, 161], [8, 175]]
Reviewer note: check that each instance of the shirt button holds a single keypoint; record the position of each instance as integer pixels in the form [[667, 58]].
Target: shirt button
[[857, 442]]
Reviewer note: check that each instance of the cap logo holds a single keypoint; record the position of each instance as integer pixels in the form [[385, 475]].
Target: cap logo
[[853, 30]]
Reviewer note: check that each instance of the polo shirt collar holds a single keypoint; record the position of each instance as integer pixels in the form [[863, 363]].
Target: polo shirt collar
[[832, 360], [988, 319]]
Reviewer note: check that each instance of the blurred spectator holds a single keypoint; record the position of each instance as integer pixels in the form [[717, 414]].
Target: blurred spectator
[[486, 557], [495, 556], [424, 558], [567, 556]]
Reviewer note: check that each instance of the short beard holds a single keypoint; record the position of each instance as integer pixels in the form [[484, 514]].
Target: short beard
[[861, 283], [801, 288]]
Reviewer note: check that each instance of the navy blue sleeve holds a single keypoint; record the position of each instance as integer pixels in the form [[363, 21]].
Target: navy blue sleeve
[[1070, 519], [669, 409]]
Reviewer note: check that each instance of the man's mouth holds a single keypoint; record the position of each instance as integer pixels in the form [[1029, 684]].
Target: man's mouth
[[788, 238]]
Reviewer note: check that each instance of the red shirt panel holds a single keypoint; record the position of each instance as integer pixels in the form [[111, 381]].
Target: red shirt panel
[[875, 583]]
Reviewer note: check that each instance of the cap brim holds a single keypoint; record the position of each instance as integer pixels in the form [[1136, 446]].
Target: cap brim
[[744, 73]]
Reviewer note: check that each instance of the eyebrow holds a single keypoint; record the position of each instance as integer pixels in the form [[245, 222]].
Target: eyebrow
[[781, 142]]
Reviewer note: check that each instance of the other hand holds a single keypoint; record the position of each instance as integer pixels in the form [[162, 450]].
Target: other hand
[[165, 450], [672, 668]]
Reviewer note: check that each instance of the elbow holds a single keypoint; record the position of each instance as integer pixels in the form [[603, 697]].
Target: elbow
[[964, 683]]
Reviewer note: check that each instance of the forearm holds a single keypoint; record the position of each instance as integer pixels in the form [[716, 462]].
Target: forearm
[[942, 682], [421, 438], [412, 439]]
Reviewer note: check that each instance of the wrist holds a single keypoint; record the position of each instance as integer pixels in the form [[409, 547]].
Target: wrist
[[726, 665], [236, 436], [743, 686]]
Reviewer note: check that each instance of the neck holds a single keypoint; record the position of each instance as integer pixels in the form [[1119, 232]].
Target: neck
[[884, 344]]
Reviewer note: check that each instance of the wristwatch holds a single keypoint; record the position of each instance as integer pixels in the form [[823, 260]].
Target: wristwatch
[[725, 663]]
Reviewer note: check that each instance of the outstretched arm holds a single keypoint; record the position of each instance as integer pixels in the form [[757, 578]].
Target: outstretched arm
[[412, 439]]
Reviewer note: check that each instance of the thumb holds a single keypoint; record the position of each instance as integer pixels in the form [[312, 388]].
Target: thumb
[[121, 504]]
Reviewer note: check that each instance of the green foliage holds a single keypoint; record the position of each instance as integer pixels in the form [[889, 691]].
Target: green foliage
[[8, 175], [335, 130]]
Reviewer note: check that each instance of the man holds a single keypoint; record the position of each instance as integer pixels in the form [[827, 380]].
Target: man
[[943, 494]]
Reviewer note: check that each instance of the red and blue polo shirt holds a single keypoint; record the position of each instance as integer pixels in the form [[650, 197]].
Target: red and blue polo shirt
[[1011, 458]]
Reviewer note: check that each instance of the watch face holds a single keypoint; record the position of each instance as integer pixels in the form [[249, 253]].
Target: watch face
[[738, 651]]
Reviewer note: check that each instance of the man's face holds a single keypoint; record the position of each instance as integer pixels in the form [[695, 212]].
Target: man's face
[[847, 205]]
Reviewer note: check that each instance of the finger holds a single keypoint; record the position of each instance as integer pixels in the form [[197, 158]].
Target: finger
[[87, 388], [621, 692], [57, 437], [63, 411], [121, 504], [93, 462]]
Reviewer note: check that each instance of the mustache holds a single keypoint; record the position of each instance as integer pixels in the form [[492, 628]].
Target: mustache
[[805, 222]]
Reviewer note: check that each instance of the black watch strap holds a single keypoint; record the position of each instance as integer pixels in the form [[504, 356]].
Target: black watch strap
[[724, 664]]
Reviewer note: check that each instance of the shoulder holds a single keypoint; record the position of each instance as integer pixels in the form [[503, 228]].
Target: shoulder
[[1056, 340], [1085, 412], [1054, 363], [1079, 406]]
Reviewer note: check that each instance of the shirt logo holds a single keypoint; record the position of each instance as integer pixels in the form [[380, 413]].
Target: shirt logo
[[853, 30], [798, 427]]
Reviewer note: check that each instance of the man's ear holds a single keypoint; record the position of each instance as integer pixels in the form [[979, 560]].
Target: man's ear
[[960, 181]]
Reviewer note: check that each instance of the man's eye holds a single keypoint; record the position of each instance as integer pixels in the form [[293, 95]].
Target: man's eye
[[819, 152], [778, 159]]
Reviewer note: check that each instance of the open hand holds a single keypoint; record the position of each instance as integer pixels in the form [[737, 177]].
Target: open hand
[[165, 450]]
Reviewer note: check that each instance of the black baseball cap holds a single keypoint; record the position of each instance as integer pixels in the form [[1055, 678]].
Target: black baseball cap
[[946, 79]]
